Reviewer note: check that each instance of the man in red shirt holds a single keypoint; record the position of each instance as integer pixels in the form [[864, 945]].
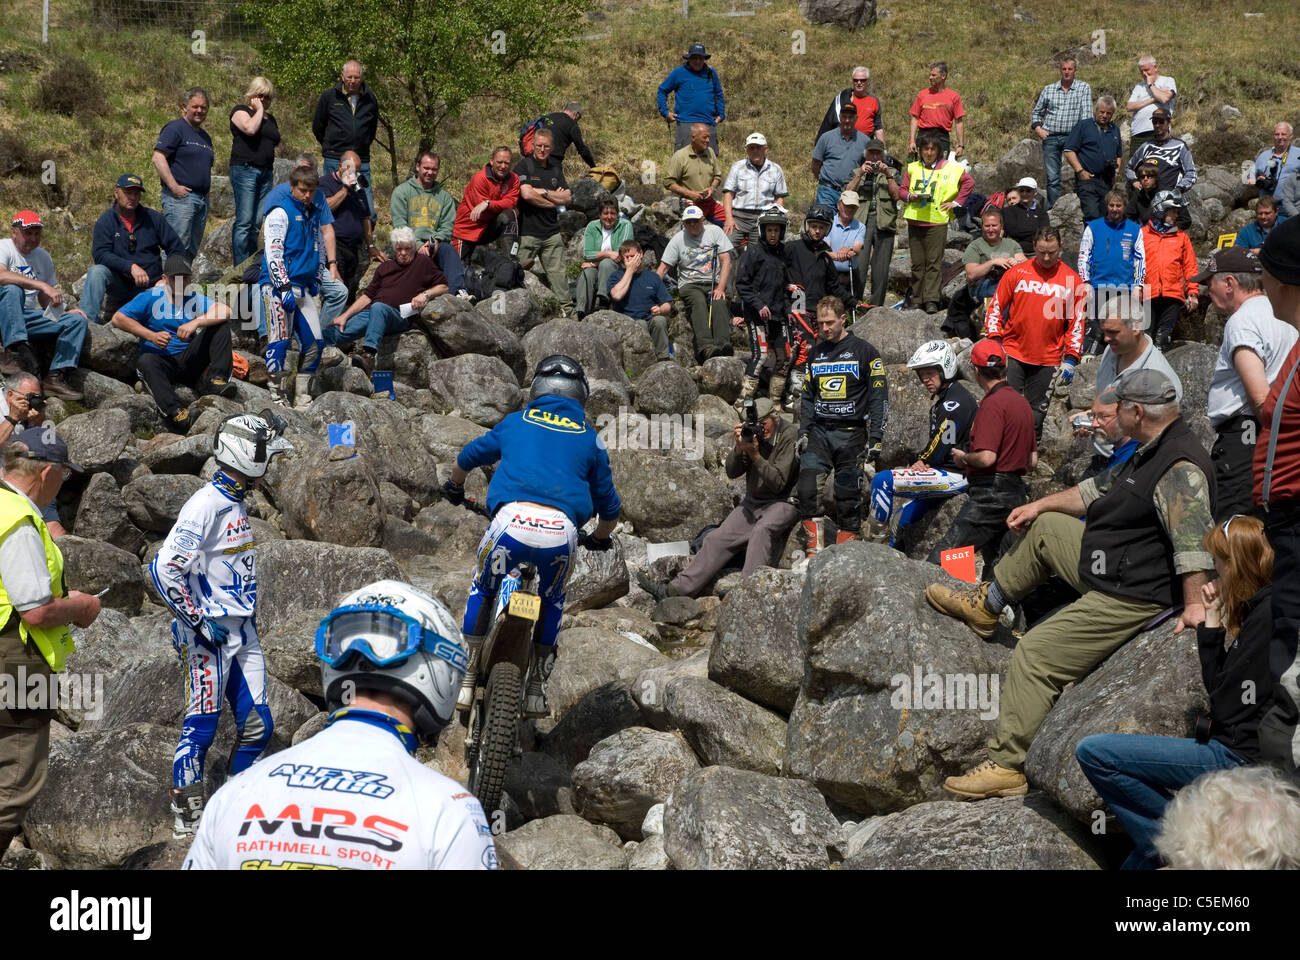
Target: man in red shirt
[[868, 123], [938, 108], [489, 208], [1277, 493], [1002, 450], [1037, 314]]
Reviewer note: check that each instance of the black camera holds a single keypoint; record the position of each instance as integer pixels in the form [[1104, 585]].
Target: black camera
[[749, 429]]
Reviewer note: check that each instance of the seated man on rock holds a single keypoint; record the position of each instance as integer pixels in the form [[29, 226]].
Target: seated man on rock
[[765, 454], [1137, 553], [642, 295], [182, 333], [128, 245], [400, 287]]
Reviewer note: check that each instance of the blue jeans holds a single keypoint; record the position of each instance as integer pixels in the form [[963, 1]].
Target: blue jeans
[[376, 322], [19, 325], [101, 281], [1137, 775], [251, 185], [449, 262], [828, 195], [188, 216], [332, 164], [1052, 148]]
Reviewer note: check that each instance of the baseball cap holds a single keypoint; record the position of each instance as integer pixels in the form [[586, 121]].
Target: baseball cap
[[27, 218], [43, 443], [177, 266], [696, 50], [130, 180], [1029, 182], [875, 145], [1161, 113], [756, 140], [692, 213], [1145, 386], [763, 407], [1229, 260], [988, 354], [850, 198]]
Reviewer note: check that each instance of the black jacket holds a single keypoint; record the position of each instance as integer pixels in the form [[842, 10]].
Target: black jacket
[[338, 129], [1238, 678], [565, 130], [1020, 223], [110, 243], [762, 278], [846, 386], [811, 267]]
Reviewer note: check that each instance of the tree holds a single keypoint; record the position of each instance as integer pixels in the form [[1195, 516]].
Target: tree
[[424, 59]]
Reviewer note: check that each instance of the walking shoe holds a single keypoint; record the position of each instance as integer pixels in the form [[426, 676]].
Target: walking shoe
[[465, 699], [187, 805], [988, 780], [221, 387], [656, 588], [27, 361], [966, 605], [535, 702], [56, 385], [330, 357], [180, 422], [365, 359]]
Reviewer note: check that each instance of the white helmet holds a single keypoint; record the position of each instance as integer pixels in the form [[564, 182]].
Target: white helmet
[[392, 637], [246, 442], [935, 353]]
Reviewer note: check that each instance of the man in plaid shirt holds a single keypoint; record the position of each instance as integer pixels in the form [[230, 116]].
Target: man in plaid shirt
[[1060, 106]]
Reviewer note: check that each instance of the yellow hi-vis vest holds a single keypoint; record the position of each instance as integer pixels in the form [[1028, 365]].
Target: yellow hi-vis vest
[[54, 643], [942, 183]]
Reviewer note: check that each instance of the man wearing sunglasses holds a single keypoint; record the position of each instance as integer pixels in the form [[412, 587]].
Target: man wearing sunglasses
[[391, 662], [22, 405], [206, 573], [128, 246]]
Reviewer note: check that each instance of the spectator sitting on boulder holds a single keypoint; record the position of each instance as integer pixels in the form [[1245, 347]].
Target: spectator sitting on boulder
[[1137, 554], [1136, 775], [702, 255], [1246, 818], [1024, 216], [600, 245], [642, 295], [1103, 424], [423, 204], [986, 259], [1277, 163], [764, 518], [489, 208], [1253, 234], [128, 246]]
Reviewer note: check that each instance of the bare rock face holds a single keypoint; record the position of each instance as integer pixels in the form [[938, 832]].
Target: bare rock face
[[628, 773], [850, 14]]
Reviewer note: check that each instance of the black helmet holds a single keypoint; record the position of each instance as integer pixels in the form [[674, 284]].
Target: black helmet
[[560, 376], [820, 211], [772, 215]]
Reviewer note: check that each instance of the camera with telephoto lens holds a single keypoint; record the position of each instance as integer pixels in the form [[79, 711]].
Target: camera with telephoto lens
[[749, 429]]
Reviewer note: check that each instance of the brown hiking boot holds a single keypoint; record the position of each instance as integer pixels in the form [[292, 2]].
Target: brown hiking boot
[[56, 385], [967, 605], [988, 780]]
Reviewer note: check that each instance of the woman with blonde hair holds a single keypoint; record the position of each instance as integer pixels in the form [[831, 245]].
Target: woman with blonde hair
[[253, 138], [1137, 775]]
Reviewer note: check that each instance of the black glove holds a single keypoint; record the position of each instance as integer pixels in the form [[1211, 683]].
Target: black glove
[[592, 542], [453, 493], [873, 453]]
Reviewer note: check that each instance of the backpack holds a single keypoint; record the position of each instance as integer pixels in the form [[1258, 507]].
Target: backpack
[[526, 133], [650, 239], [490, 271]]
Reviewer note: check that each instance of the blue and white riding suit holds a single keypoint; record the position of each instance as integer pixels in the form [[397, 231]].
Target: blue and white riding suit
[[289, 279], [554, 475], [206, 572]]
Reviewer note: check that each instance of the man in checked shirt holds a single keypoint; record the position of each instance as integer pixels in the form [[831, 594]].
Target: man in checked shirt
[[1060, 106]]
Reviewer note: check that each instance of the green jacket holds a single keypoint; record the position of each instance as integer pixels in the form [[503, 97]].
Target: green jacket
[[591, 237], [886, 206], [430, 213]]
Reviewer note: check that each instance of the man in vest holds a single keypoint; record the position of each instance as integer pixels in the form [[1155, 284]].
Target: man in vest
[[35, 610], [1137, 553]]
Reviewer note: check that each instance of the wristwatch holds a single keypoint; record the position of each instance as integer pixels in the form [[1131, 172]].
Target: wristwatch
[[330, 263], [16, 423]]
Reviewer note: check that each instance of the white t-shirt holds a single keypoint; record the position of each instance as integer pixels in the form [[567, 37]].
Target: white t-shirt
[[1252, 327], [1108, 371], [1141, 122], [36, 265], [696, 258], [607, 239]]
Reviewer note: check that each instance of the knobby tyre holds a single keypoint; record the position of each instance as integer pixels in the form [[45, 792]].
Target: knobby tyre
[[497, 743]]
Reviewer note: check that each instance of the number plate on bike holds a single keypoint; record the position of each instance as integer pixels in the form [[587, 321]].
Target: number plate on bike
[[525, 605]]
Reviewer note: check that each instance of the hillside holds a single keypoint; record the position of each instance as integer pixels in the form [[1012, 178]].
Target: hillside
[[1000, 54]]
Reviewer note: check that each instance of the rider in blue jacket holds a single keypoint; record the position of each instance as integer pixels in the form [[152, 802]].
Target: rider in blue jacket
[[289, 279], [1112, 262], [554, 475]]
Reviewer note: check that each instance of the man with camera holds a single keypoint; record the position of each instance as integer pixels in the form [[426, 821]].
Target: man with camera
[[765, 454], [23, 406], [1276, 163]]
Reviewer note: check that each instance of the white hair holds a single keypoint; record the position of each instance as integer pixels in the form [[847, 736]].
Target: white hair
[[1106, 100], [860, 70], [402, 237], [1289, 129], [1158, 412], [1145, 59], [1246, 818]]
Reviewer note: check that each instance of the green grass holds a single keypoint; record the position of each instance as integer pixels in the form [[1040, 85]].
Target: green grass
[[997, 62]]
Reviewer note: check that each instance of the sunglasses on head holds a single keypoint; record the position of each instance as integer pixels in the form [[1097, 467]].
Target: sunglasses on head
[[1227, 523]]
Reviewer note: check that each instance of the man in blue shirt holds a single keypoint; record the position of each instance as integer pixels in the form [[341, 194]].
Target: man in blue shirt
[[554, 475], [182, 333], [847, 236], [642, 295], [1277, 164], [183, 158], [697, 96], [838, 155], [1253, 234], [1093, 149]]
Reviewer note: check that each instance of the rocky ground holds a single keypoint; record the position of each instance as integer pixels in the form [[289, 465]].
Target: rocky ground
[[781, 722]]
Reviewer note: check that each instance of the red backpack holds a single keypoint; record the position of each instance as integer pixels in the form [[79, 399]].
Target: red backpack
[[526, 135]]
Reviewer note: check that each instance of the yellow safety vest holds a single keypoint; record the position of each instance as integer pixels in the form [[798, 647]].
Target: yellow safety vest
[[942, 183], [54, 643]]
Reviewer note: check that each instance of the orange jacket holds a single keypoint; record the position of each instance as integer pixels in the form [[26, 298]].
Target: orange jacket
[[1171, 264]]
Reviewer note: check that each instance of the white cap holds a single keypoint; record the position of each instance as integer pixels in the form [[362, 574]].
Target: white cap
[[756, 140], [1029, 182], [692, 213]]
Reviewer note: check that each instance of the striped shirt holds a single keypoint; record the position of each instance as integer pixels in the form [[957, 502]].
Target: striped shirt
[[1058, 109], [755, 189]]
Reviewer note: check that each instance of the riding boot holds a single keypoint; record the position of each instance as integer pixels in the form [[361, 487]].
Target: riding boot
[[535, 702], [466, 698]]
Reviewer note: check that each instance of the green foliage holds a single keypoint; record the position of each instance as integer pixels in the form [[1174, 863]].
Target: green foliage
[[424, 59]]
